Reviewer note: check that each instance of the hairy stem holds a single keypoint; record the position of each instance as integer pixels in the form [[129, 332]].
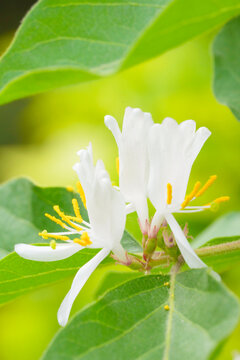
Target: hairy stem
[[218, 249]]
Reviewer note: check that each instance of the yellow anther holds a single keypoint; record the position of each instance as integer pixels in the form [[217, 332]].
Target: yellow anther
[[74, 218], [81, 193], [195, 190], [46, 236], [169, 194], [65, 218], [192, 194], [84, 240], [85, 237], [53, 244], [221, 199], [186, 202], [43, 234], [76, 210], [117, 165], [166, 283], [206, 185], [166, 307], [57, 221], [70, 188]]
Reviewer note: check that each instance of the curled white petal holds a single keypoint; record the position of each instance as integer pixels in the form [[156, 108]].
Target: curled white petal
[[78, 282], [189, 255], [46, 253], [112, 125]]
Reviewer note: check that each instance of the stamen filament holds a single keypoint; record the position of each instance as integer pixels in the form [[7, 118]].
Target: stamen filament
[[206, 185], [169, 194]]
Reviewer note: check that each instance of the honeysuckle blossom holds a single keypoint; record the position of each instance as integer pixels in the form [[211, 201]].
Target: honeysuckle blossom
[[172, 151], [107, 217], [133, 159]]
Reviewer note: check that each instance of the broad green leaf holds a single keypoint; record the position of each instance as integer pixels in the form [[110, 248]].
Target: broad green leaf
[[113, 279], [226, 226], [18, 276], [226, 52], [22, 209], [61, 42], [130, 321]]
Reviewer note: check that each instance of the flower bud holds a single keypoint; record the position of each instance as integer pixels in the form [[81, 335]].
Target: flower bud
[[136, 264], [150, 246], [168, 239]]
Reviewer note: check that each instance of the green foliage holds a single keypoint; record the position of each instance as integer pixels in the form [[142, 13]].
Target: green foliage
[[226, 226], [18, 276], [61, 43], [226, 51], [130, 321]]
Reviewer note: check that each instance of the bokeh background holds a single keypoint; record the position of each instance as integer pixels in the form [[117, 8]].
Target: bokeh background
[[39, 138]]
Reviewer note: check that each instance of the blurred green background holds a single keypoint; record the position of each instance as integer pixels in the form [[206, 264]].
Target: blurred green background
[[40, 136]]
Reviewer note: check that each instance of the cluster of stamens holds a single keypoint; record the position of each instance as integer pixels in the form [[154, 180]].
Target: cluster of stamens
[[196, 192], [69, 223]]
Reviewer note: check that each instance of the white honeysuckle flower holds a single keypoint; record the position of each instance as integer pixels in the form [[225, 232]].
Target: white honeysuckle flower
[[107, 218], [133, 159], [172, 151]]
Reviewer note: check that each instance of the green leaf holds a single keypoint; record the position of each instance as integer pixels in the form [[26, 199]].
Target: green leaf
[[22, 209], [226, 226], [18, 276], [113, 279], [61, 42], [226, 51], [130, 321]]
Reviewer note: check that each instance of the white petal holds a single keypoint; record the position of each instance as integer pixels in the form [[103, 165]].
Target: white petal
[[201, 135], [130, 208], [85, 170], [78, 282], [107, 214], [141, 206], [156, 222], [112, 125], [189, 255], [172, 151], [46, 253]]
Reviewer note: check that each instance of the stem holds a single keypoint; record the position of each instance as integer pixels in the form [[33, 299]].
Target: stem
[[218, 249], [202, 252]]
